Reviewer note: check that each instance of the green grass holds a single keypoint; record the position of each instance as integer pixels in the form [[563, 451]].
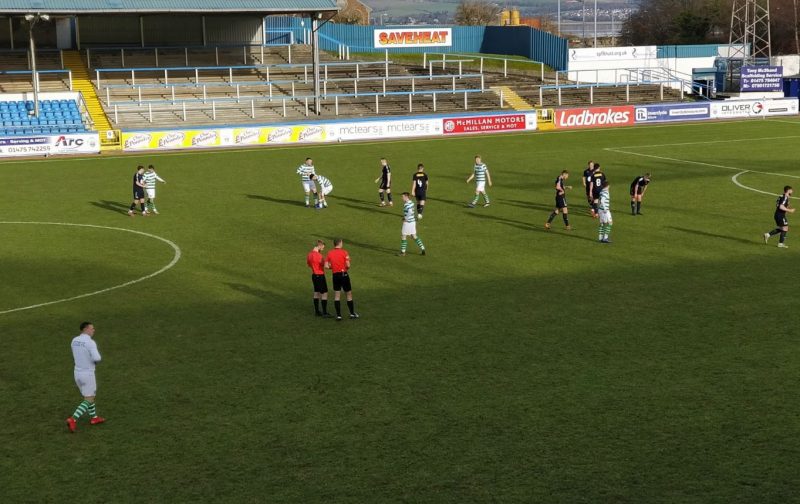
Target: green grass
[[509, 365]]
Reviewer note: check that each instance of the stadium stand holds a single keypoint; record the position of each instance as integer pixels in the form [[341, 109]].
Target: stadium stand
[[55, 116]]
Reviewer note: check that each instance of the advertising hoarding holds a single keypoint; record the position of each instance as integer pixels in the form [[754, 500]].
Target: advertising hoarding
[[672, 112], [338, 131], [731, 109], [50, 145], [761, 79], [488, 123], [594, 117], [391, 38]]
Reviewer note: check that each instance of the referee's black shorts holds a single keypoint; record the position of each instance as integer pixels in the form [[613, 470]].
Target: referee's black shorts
[[341, 281], [320, 284]]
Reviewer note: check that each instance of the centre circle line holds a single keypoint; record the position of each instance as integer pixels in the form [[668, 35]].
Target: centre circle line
[[176, 257]]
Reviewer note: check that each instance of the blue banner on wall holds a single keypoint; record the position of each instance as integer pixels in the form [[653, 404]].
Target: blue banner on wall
[[762, 78], [674, 112]]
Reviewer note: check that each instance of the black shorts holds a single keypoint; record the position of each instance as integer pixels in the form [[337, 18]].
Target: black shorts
[[420, 196], [780, 220], [635, 191], [561, 201], [341, 281], [595, 194], [385, 184], [320, 285], [138, 193]]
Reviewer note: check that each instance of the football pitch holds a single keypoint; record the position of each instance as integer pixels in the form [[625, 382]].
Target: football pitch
[[510, 364]]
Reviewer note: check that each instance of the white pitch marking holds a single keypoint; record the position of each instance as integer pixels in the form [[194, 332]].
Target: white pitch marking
[[702, 143], [735, 180], [701, 163], [172, 263]]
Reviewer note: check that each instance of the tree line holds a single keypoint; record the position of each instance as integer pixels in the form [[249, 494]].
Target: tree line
[[667, 22]]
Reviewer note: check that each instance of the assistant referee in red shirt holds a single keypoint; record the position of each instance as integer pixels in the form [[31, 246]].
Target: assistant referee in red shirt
[[338, 261]]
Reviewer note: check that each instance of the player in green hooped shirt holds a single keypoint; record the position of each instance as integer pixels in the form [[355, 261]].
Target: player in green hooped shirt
[[481, 175]]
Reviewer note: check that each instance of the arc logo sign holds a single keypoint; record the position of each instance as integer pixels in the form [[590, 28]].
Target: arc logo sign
[[595, 117]]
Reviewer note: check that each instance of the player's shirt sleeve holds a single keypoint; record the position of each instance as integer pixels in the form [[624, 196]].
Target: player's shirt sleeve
[[95, 353]]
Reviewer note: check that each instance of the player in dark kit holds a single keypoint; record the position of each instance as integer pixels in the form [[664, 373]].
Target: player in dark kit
[[138, 191], [587, 184], [638, 188], [419, 188], [596, 184], [338, 261], [317, 265], [561, 200], [782, 207], [385, 181]]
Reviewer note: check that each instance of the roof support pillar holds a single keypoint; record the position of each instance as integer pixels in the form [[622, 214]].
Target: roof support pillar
[[315, 59], [141, 30], [205, 38]]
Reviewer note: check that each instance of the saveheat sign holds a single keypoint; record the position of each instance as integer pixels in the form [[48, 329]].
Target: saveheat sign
[[429, 37], [595, 117]]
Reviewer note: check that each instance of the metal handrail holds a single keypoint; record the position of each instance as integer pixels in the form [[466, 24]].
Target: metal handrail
[[245, 99], [278, 82]]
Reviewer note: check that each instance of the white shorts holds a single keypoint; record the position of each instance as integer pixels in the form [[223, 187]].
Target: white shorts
[[309, 186], [605, 216], [409, 228], [480, 186], [326, 190], [151, 193], [86, 383]]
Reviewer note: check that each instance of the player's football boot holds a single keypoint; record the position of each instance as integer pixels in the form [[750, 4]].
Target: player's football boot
[[130, 212], [155, 211], [568, 228], [470, 205], [72, 425], [423, 252], [485, 205], [383, 203], [783, 245], [338, 318], [401, 254], [354, 315], [766, 237], [97, 420]]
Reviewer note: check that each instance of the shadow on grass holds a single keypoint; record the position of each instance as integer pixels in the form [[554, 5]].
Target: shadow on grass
[[355, 244], [373, 209], [712, 235], [529, 227], [111, 206], [253, 291], [276, 200], [527, 204], [460, 204], [357, 201]]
